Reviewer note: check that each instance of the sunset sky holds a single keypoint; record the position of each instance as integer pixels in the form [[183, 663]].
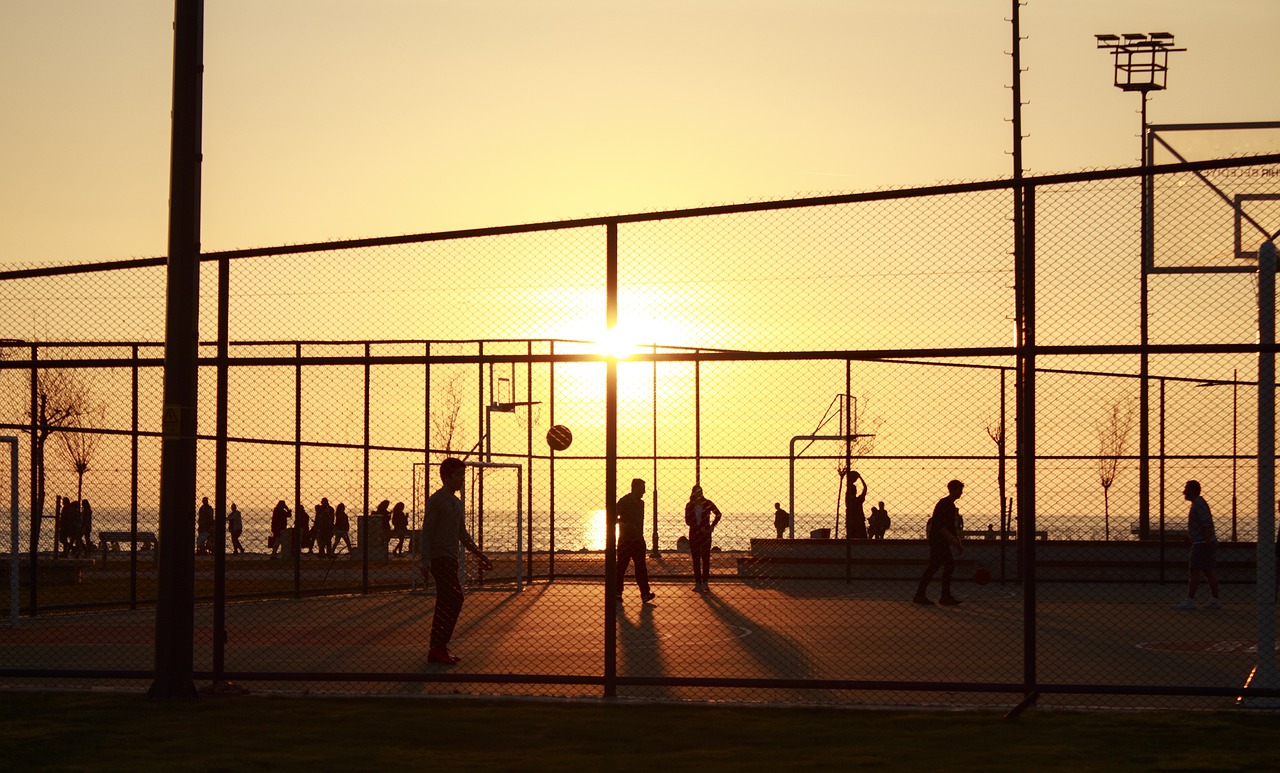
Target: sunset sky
[[342, 119]]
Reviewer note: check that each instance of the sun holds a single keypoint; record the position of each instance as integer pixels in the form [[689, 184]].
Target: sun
[[620, 342]]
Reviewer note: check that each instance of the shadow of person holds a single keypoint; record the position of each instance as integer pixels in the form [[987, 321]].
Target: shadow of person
[[776, 655], [640, 653]]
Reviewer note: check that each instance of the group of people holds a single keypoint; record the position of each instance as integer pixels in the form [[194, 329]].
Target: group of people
[[321, 535], [73, 525], [859, 526], [330, 528], [204, 528], [701, 515]]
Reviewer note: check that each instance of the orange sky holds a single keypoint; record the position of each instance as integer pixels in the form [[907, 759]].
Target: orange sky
[[341, 119]]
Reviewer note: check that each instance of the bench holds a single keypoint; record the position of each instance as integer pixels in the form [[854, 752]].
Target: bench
[[110, 540], [993, 534]]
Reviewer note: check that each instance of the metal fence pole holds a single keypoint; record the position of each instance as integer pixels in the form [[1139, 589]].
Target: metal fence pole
[[1026, 446], [611, 474], [1264, 672], [14, 535], [175, 603]]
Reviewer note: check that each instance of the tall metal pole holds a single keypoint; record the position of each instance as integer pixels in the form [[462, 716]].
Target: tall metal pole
[[220, 481], [1144, 359], [1264, 672], [611, 472], [175, 600], [1026, 445]]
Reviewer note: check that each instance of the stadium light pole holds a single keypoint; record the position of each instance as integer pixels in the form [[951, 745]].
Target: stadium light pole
[[1141, 64]]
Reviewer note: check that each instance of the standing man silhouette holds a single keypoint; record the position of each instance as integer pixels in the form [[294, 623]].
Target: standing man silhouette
[[781, 520], [942, 535], [1204, 543], [443, 529], [629, 514]]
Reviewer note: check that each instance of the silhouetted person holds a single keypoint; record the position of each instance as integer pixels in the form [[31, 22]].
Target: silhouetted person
[[878, 524], [61, 532], [942, 535], [399, 526], [279, 524], [71, 521], [204, 526], [781, 520], [301, 529], [855, 522], [235, 526], [698, 512], [86, 526], [1204, 544], [341, 528], [444, 528], [383, 511], [629, 514], [324, 527]]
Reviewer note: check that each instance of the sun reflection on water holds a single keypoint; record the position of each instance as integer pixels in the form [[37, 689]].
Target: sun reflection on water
[[592, 530]]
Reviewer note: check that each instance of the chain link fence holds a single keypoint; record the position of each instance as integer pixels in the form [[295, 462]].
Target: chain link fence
[[764, 353]]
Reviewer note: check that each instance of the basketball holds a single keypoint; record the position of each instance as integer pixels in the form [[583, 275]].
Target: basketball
[[982, 575], [559, 437]]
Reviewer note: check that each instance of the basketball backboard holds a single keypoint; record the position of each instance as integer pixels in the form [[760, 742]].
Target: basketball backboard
[[1216, 218]]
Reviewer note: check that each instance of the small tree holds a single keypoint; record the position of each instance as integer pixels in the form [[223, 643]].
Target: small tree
[[77, 445], [444, 421], [57, 399], [996, 431], [1113, 440]]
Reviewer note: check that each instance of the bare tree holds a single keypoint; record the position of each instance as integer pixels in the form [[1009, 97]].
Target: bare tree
[[997, 432], [54, 400], [77, 446], [444, 421], [1113, 441]]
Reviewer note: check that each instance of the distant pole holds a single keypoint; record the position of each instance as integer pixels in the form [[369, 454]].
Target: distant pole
[[175, 600], [1235, 422], [1140, 62]]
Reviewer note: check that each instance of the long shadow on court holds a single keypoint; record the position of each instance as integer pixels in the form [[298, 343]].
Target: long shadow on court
[[640, 653], [778, 656]]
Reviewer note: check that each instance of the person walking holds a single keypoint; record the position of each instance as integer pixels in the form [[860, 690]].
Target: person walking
[[629, 515], [698, 512], [1204, 544], [942, 535], [399, 526], [341, 529], [781, 520], [444, 528], [235, 525]]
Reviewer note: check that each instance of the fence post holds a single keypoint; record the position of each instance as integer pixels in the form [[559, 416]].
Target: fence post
[[1264, 672], [1026, 444], [611, 473], [175, 602]]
